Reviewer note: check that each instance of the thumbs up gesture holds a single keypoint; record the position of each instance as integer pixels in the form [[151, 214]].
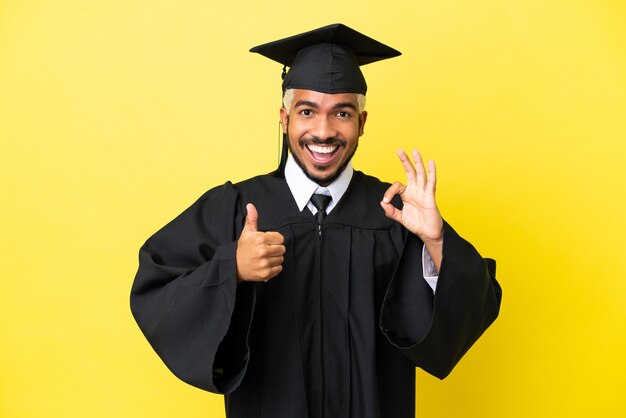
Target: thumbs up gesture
[[259, 254]]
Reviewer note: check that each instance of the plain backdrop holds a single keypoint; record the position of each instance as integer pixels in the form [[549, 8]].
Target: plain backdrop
[[116, 115]]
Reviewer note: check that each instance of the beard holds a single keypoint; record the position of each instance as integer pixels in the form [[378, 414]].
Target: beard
[[330, 177]]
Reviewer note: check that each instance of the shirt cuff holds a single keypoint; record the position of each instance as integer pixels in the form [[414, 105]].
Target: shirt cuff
[[428, 267]]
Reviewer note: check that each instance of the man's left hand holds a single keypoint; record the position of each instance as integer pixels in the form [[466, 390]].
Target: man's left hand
[[419, 213]]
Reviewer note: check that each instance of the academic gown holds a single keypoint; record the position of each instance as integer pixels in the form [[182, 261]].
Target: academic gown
[[337, 333]]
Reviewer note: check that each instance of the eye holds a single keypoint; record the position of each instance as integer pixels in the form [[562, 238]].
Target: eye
[[306, 112], [343, 114]]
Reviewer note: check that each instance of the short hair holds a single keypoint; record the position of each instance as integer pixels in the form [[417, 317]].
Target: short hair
[[289, 93]]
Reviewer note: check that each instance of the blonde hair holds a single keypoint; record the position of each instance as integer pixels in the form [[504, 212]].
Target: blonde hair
[[289, 94]]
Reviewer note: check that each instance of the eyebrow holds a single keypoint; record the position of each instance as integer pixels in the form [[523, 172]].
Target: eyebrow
[[345, 104], [306, 103], [316, 106]]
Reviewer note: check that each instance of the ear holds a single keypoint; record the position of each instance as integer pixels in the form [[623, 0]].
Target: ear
[[284, 119], [362, 119]]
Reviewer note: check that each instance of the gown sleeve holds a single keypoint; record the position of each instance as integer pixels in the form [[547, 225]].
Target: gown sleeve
[[435, 331], [185, 296]]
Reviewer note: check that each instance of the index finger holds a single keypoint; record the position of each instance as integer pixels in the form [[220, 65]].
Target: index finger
[[274, 238]]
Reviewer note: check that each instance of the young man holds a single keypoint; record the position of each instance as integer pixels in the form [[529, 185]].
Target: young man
[[315, 290]]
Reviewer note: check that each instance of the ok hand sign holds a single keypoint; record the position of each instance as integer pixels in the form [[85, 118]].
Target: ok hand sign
[[419, 213]]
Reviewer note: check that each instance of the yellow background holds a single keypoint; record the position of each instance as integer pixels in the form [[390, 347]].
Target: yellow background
[[116, 115]]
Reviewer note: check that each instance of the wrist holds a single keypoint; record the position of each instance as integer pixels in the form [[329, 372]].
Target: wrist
[[434, 246], [434, 239], [435, 250]]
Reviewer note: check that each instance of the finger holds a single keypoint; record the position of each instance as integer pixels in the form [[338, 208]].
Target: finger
[[251, 218], [264, 251], [392, 212], [408, 166], [273, 272], [432, 177], [274, 238], [276, 261], [268, 273], [419, 167], [275, 250], [394, 189]]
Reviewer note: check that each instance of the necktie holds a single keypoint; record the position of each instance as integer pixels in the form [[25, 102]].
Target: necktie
[[320, 201]]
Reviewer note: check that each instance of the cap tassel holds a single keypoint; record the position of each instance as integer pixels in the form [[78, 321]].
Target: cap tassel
[[283, 155], [283, 150]]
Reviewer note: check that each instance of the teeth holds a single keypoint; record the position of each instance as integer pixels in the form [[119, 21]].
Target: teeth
[[320, 149]]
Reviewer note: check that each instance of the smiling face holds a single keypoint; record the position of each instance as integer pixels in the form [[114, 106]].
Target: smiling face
[[323, 131]]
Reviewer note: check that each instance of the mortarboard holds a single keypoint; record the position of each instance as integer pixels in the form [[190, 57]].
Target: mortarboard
[[327, 59]]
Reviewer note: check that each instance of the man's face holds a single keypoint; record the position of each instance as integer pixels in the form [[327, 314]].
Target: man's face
[[323, 131]]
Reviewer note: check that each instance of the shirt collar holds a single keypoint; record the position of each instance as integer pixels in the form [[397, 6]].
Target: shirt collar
[[302, 187]]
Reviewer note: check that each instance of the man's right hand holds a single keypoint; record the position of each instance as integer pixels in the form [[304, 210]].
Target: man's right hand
[[259, 254]]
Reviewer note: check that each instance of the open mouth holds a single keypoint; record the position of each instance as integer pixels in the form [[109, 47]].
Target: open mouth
[[322, 154]]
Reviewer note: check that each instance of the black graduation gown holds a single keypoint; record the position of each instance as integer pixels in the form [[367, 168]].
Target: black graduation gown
[[337, 333]]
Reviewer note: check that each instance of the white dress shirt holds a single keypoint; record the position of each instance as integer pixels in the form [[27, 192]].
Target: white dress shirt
[[302, 188]]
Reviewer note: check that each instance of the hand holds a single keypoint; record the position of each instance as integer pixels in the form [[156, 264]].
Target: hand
[[419, 213], [259, 254]]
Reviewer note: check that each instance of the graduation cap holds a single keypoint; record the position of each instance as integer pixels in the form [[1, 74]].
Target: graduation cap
[[327, 59]]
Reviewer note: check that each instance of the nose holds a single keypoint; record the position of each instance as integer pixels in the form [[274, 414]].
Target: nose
[[323, 129]]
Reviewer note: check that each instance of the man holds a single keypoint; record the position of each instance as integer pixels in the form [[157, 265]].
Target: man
[[314, 291]]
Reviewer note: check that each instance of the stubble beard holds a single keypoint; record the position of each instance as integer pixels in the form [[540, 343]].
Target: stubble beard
[[322, 181]]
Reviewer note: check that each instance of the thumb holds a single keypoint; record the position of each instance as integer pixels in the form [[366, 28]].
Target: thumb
[[251, 218]]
